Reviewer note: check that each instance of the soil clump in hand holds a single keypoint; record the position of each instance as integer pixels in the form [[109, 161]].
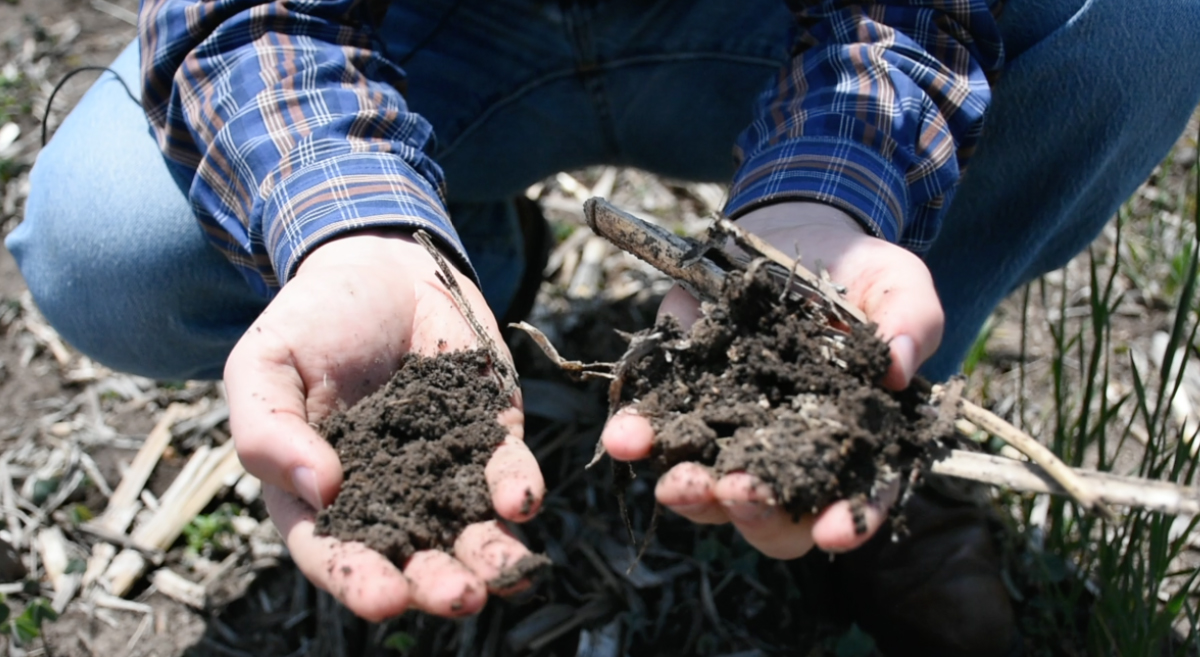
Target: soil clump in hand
[[770, 387], [413, 454]]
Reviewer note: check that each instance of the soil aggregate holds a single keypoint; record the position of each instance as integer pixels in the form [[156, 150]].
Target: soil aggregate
[[769, 386], [413, 454], [530, 566]]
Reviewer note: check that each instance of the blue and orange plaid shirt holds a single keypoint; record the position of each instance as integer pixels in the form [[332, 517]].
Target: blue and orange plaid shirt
[[297, 131]]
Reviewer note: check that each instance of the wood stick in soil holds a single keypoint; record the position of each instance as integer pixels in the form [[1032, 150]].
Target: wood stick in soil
[[677, 258], [847, 311], [657, 247]]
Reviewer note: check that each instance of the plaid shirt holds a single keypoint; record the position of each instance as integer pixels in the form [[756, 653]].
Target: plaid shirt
[[297, 130]]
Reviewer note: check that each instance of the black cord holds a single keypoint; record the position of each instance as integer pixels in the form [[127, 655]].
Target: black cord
[[437, 29], [68, 76]]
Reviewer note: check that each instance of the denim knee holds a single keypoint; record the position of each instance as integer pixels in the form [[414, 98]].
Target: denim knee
[[118, 293], [1078, 120], [67, 271], [112, 253]]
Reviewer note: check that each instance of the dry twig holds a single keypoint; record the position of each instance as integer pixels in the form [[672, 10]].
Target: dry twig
[[575, 367], [1066, 477], [124, 505], [503, 369], [1111, 489]]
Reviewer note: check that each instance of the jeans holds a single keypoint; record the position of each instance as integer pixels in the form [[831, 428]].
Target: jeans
[[1094, 94]]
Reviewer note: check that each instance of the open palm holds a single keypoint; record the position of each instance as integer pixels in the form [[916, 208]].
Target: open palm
[[893, 287], [334, 334]]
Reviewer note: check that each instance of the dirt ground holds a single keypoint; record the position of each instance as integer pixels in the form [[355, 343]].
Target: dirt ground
[[697, 590]]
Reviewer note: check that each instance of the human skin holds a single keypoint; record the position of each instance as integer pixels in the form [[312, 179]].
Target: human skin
[[895, 291], [334, 334], [337, 331]]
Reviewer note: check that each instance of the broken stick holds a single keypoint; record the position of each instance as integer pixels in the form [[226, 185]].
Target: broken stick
[[124, 505], [677, 258], [1111, 489], [657, 247], [501, 365]]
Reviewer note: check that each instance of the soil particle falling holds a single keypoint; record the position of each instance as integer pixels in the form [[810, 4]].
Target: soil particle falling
[[772, 389], [413, 454]]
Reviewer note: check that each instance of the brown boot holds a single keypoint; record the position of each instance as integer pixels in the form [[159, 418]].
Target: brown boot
[[936, 591]]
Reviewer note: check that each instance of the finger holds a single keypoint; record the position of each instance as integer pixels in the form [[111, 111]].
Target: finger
[[441, 585], [489, 551], [687, 489], [909, 318], [836, 529], [627, 436], [682, 305], [269, 421], [362, 579], [515, 481], [514, 478], [751, 506]]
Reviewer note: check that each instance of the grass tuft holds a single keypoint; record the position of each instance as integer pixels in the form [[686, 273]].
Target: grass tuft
[[1126, 588]]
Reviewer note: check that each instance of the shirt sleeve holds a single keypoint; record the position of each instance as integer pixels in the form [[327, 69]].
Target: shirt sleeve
[[877, 112], [291, 124]]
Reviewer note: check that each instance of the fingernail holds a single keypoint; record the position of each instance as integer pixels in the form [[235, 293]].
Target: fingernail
[[748, 511], [304, 480], [904, 350]]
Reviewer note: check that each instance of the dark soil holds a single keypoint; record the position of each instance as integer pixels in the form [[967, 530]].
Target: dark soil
[[772, 389], [530, 565], [414, 454]]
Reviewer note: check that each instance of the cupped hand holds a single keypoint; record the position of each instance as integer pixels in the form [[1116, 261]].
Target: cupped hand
[[334, 334], [895, 291]]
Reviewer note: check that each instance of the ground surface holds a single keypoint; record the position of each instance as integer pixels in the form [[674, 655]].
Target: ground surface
[[697, 590]]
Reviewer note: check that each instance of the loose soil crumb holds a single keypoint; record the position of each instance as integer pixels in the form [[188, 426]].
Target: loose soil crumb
[[774, 390], [414, 453], [529, 566]]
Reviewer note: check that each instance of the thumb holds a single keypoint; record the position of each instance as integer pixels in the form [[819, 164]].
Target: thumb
[[682, 305], [888, 282], [901, 300], [269, 420]]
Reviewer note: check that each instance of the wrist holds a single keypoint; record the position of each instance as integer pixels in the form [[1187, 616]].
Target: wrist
[[792, 216], [397, 247], [821, 236]]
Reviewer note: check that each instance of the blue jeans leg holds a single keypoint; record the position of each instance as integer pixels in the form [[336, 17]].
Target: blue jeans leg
[[1094, 96], [111, 251]]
